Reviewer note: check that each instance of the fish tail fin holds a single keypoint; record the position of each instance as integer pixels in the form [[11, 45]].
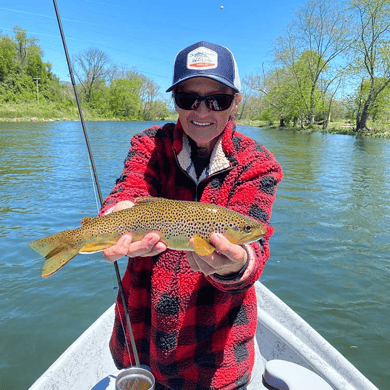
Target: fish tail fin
[[57, 250]]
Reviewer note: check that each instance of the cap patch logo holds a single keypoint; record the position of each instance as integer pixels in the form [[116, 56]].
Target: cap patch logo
[[202, 58]]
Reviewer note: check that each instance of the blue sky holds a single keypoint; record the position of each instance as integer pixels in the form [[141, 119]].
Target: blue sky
[[147, 35]]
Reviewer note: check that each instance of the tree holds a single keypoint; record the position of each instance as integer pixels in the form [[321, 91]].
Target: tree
[[35, 66], [147, 92], [379, 106], [7, 55], [316, 36], [25, 46], [286, 93], [92, 68], [123, 99], [250, 105], [158, 110], [372, 57], [328, 98]]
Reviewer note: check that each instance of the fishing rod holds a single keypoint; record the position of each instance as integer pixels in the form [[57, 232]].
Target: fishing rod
[[118, 276]]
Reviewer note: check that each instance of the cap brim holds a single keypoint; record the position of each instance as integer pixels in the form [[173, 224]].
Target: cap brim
[[213, 77]]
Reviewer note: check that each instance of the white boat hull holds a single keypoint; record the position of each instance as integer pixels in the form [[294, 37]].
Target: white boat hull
[[281, 334]]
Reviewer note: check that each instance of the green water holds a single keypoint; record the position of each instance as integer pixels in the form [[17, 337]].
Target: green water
[[330, 254]]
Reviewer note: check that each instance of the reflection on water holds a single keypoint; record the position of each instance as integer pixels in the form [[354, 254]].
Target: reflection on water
[[330, 251]]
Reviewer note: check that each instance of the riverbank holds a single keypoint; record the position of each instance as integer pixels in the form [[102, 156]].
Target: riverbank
[[52, 112], [376, 130], [33, 112]]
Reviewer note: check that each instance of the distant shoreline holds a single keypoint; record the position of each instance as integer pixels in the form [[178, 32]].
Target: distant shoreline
[[52, 112], [342, 128]]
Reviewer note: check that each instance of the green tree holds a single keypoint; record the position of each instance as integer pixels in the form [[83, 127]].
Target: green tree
[[379, 106], [317, 35], [7, 56], [372, 55], [147, 92], [20, 87], [267, 84], [25, 46], [287, 91], [123, 98], [158, 110], [35, 66]]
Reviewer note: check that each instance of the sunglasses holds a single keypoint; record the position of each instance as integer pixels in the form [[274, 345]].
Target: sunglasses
[[190, 101]]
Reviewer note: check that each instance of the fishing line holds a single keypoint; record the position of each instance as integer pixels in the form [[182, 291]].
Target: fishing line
[[118, 276]]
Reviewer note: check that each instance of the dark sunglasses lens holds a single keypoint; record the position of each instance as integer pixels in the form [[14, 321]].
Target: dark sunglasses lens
[[219, 102], [185, 100], [189, 101]]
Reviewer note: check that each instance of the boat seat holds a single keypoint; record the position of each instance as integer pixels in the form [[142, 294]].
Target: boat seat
[[284, 375]]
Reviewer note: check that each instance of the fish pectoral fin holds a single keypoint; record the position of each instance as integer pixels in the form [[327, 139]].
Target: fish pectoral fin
[[202, 247], [96, 247]]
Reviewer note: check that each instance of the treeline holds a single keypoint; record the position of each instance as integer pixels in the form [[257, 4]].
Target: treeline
[[332, 62], [105, 90]]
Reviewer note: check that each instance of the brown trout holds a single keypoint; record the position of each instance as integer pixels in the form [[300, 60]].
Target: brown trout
[[175, 221]]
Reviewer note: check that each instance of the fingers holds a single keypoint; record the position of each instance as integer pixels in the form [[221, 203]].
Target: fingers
[[146, 246], [223, 246], [227, 258], [150, 245], [120, 249]]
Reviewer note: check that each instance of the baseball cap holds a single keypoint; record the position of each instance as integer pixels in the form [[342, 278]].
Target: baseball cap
[[205, 59]]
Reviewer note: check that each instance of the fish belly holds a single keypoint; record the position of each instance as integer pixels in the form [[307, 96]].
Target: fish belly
[[179, 242]]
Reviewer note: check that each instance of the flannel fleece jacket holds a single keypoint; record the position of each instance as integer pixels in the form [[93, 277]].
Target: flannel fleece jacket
[[196, 332]]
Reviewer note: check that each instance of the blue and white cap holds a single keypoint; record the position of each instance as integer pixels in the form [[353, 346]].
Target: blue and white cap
[[205, 59]]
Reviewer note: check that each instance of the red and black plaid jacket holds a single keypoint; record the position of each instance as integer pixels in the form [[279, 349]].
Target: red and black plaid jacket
[[196, 332]]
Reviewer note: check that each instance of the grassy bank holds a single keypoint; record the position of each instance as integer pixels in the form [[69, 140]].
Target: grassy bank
[[375, 129], [33, 112]]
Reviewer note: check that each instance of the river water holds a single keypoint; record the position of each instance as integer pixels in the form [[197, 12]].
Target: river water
[[330, 254]]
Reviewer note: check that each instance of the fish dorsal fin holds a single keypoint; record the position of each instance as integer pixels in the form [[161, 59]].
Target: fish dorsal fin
[[87, 220], [144, 200]]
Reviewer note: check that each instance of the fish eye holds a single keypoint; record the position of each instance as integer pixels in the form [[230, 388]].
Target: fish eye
[[247, 228]]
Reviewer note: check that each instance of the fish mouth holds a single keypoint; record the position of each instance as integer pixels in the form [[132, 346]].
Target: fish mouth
[[250, 240]]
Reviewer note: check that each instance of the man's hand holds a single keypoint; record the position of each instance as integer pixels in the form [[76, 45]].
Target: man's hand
[[227, 258]]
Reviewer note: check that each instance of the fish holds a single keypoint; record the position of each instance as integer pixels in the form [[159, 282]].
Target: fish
[[176, 221]]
